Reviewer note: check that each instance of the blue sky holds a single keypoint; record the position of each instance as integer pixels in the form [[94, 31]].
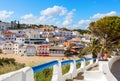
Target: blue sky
[[62, 13]]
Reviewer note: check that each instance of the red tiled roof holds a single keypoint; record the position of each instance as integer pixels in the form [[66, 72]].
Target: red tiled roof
[[23, 36], [15, 43], [8, 33]]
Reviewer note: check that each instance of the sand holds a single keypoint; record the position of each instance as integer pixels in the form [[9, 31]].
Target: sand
[[33, 60]]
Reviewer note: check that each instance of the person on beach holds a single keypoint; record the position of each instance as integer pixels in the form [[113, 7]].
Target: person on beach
[[105, 57]]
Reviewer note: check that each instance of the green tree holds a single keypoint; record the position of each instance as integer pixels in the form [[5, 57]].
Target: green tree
[[93, 48], [107, 30], [66, 29], [81, 31], [0, 50], [18, 25], [40, 26]]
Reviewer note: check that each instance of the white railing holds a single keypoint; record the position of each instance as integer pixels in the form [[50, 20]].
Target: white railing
[[27, 73]]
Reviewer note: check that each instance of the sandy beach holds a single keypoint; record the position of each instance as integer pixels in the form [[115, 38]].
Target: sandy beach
[[33, 60]]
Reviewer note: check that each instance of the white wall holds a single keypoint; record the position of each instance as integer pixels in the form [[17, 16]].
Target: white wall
[[24, 74]]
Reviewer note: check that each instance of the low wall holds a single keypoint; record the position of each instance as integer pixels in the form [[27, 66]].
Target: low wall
[[27, 73], [24, 74]]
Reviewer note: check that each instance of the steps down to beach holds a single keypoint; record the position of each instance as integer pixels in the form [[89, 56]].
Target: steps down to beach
[[80, 76]]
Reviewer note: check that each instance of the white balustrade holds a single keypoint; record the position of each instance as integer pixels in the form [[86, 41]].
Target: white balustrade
[[27, 74]]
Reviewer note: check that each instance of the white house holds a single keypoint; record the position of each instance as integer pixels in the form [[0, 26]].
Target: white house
[[4, 25], [63, 33], [19, 32], [31, 50], [11, 47], [10, 36], [21, 39], [22, 50], [75, 33], [86, 39], [56, 51]]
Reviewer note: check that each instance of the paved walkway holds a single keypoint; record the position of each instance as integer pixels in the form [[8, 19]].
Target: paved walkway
[[80, 76], [116, 69]]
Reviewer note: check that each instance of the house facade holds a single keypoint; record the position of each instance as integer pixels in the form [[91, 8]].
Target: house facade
[[56, 51], [9, 36], [30, 50], [11, 47], [4, 26], [43, 50]]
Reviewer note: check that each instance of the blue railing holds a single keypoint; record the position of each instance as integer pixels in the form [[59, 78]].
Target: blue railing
[[66, 62], [88, 59], [44, 66], [52, 63], [80, 60]]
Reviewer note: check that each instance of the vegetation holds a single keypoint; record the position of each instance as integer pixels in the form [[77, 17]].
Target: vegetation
[[82, 31], [78, 65], [65, 29], [87, 63], [107, 30], [18, 25], [9, 64], [45, 75], [65, 68], [0, 50]]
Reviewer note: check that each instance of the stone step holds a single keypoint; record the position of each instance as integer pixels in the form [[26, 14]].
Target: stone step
[[80, 76]]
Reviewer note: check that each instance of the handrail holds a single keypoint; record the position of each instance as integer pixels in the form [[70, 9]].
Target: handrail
[[50, 64], [27, 74], [80, 60], [66, 62], [87, 59], [44, 66]]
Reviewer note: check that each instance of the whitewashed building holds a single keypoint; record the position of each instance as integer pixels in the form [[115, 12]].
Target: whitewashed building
[[56, 51], [22, 50], [10, 47], [9, 36], [30, 50], [4, 26]]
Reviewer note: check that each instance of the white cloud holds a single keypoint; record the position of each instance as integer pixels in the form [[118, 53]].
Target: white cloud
[[54, 11], [29, 19], [47, 16], [68, 19], [51, 16], [83, 24], [28, 16], [5, 14], [61, 17], [99, 15]]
